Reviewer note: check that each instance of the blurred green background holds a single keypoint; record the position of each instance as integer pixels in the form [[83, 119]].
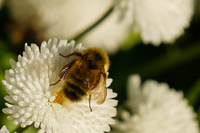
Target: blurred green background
[[177, 64]]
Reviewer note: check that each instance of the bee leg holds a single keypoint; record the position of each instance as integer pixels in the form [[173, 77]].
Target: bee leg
[[90, 103], [55, 82], [64, 71], [74, 53]]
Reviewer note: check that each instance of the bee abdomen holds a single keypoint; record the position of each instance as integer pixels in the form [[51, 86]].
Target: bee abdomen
[[73, 92]]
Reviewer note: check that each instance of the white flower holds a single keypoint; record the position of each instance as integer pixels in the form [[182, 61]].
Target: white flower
[[158, 20], [66, 19], [4, 130], [155, 108], [30, 97]]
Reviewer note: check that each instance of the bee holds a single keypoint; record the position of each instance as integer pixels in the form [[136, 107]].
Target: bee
[[85, 75]]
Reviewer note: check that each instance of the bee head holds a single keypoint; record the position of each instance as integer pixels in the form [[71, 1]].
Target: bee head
[[97, 58]]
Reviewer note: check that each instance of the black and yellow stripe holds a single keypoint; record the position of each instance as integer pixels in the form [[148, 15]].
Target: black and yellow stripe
[[73, 92]]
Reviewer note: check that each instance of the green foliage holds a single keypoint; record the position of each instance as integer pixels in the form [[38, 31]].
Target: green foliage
[[130, 41]]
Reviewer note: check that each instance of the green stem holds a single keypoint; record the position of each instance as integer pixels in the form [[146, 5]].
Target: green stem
[[193, 94], [19, 129], [169, 61], [109, 11], [157, 65]]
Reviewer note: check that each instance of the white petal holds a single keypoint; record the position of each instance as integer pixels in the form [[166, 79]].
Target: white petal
[[50, 21], [159, 21], [160, 109], [4, 130], [30, 97]]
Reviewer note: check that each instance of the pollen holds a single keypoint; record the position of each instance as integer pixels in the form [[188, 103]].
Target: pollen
[[59, 97]]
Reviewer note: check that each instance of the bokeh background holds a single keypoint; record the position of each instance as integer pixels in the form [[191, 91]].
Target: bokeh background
[[177, 64]]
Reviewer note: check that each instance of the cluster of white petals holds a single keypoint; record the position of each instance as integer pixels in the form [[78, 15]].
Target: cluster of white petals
[[155, 108], [158, 20], [4, 130], [30, 96], [48, 17]]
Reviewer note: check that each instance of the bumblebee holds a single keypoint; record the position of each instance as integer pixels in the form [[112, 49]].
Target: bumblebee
[[85, 75]]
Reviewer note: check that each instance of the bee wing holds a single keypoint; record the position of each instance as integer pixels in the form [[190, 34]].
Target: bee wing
[[100, 91], [64, 71]]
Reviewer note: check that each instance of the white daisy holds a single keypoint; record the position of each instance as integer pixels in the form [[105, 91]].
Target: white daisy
[[155, 108], [4, 130], [158, 20], [30, 97], [73, 17]]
